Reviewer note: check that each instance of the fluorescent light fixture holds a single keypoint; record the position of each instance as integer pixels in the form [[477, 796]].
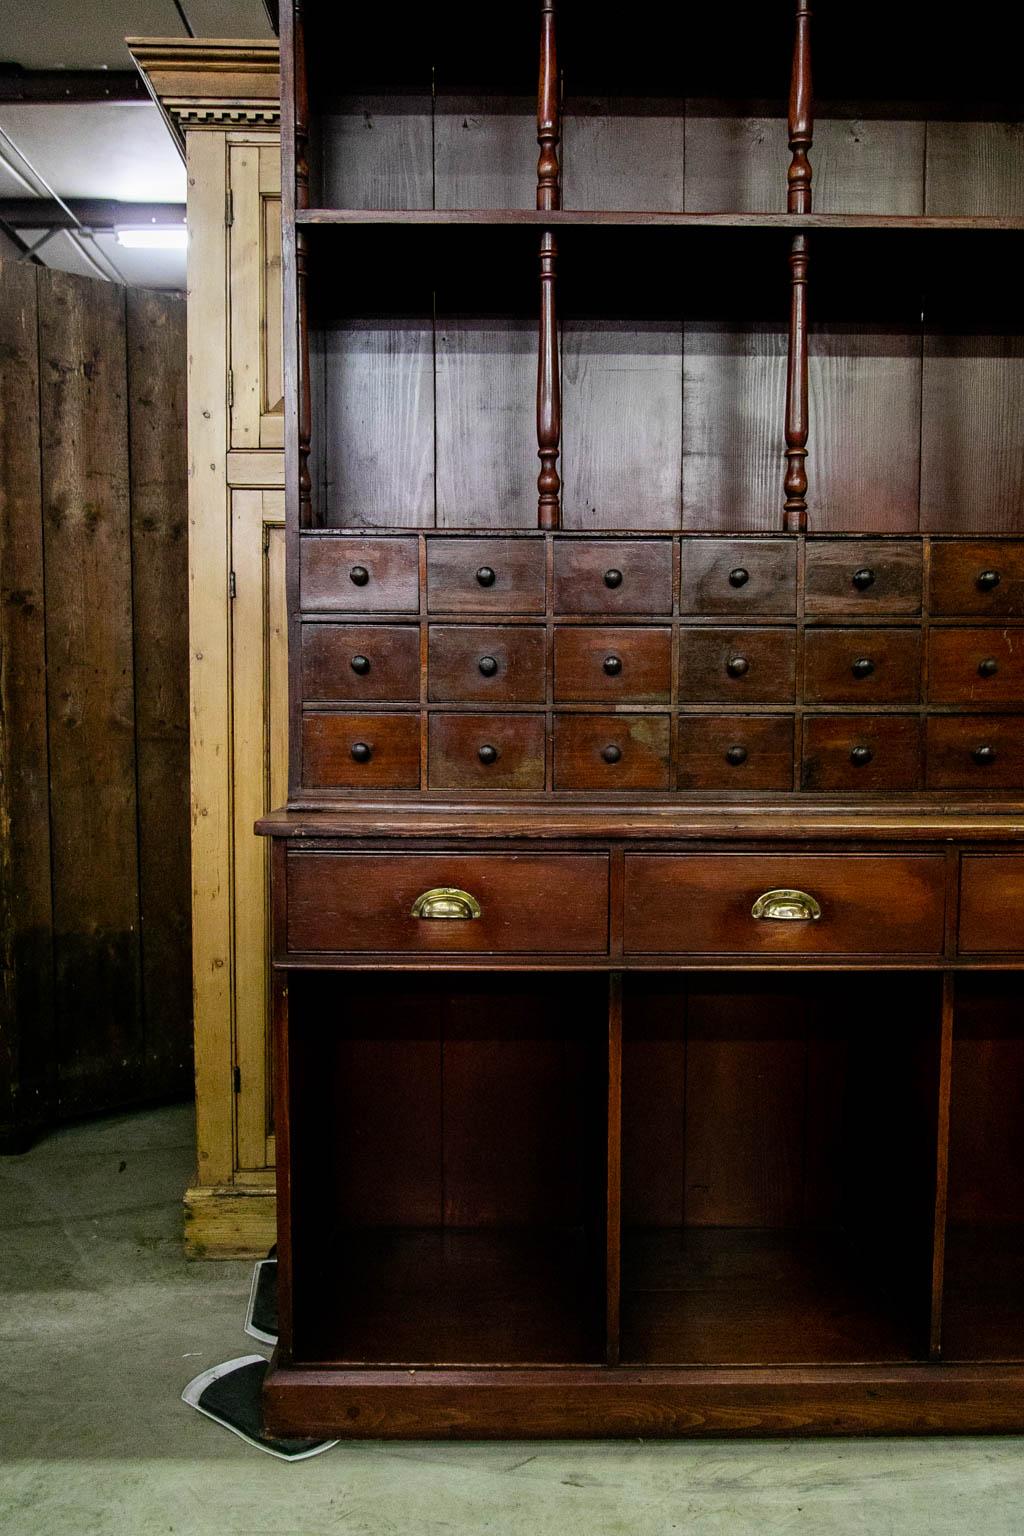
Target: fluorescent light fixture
[[152, 237]]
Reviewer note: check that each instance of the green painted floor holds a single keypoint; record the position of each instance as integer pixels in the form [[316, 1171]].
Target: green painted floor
[[102, 1322]]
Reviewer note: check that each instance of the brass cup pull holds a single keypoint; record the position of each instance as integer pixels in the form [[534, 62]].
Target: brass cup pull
[[783, 906], [448, 903]]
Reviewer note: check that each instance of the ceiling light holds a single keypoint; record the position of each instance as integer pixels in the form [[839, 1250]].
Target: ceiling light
[[152, 237]]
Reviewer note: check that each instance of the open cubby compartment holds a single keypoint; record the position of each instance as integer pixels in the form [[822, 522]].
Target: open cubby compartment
[[983, 1299], [779, 1143], [448, 1169], [424, 107]]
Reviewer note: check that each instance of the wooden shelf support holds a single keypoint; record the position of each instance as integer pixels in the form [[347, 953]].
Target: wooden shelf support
[[549, 197], [798, 200]]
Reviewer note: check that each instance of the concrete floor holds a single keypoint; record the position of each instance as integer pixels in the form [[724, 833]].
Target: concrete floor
[[103, 1322]]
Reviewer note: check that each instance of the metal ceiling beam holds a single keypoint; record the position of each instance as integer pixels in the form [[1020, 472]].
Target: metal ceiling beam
[[86, 213], [24, 87]]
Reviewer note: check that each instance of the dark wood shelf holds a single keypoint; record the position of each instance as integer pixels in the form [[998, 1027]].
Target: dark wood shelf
[[585, 218]]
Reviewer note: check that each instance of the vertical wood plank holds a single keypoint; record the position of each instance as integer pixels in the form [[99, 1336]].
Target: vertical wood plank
[[613, 1223], [734, 383], [972, 449], [486, 459], [245, 283], [485, 152], [623, 154], [377, 152], [975, 168]]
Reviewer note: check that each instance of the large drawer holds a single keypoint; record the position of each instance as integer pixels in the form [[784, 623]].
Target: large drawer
[[528, 903], [992, 904], [885, 904]]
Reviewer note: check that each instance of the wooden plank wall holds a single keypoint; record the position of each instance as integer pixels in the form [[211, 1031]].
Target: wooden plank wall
[[94, 694]]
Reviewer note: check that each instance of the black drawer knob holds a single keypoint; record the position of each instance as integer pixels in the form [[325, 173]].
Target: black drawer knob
[[613, 665], [735, 756], [863, 578], [984, 755], [359, 575], [360, 664], [485, 576], [861, 756], [739, 577], [988, 580], [361, 752], [488, 666], [613, 578], [611, 753], [488, 755], [863, 667], [737, 666], [988, 668]]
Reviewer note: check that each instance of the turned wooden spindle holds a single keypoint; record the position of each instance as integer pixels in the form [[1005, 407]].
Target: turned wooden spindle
[[305, 399], [549, 196], [798, 200]]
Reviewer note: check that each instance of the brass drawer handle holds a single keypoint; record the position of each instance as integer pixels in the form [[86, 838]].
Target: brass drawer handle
[[447, 902], [786, 907]]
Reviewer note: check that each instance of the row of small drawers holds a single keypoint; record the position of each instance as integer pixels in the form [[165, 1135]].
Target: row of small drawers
[[885, 904], [609, 752], [363, 574], [506, 664]]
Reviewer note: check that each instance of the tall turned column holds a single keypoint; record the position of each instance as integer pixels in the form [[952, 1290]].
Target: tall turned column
[[305, 399], [798, 200], [549, 196]]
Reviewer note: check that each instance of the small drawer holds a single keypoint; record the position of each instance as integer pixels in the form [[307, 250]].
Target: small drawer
[[983, 578], [486, 752], [737, 666], [349, 751], [861, 752], [485, 575], [610, 752], [735, 752], [738, 576], [992, 903], [976, 666], [620, 665], [613, 576], [844, 904], [377, 663], [484, 663], [844, 576], [527, 903], [862, 666], [359, 575], [975, 752]]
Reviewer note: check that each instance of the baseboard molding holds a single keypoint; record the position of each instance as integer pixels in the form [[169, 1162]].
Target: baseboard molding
[[226, 1222]]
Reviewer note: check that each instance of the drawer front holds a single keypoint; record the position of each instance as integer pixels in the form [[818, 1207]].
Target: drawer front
[[613, 576], [702, 904], [861, 752], [350, 751], [983, 578], [735, 752], [359, 575], [976, 666], [485, 575], [486, 752], [349, 902], [862, 666], [378, 663], [738, 576], [737, 666], [853, 576], [610, 752], [975, 752], [620, 665], [485, 663], [992, 904]]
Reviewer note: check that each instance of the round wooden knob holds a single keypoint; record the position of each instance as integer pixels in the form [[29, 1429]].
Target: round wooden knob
[[984, 755], [735, 756], [737, 666], [613, 578], [989, 667], [988, 580], [613, 665], [485, 576], [359, 575], [863, 667], [863, 578], [611, 753], [861, 756], [361, 752], [360, 664], [488, 755], [488, 666], [739, 577]]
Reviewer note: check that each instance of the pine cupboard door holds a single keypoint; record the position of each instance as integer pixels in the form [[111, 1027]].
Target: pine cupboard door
[[253, 213], [260, 775]]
